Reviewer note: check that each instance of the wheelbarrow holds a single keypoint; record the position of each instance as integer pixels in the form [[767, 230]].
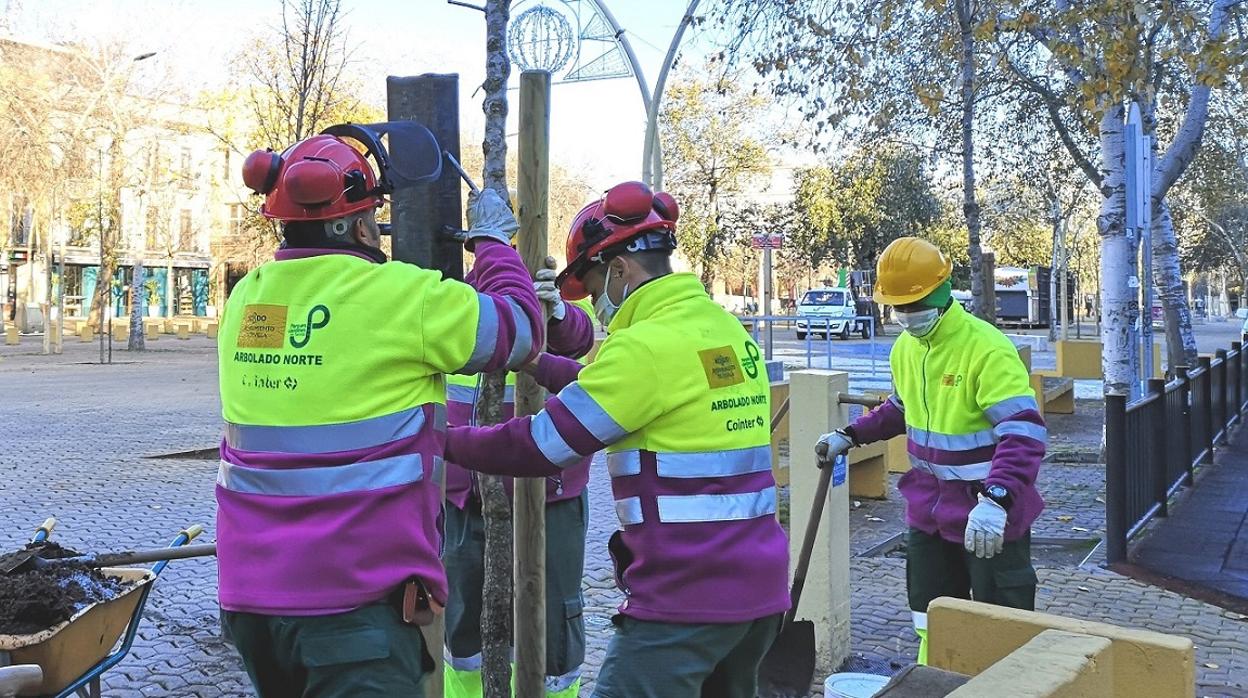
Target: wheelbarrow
[[68, 659]]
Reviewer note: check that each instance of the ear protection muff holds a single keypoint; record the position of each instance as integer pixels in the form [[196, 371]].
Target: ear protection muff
[[355, 187], [260, 171]]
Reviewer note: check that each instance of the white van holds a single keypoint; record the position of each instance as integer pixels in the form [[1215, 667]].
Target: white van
[[829, 311]]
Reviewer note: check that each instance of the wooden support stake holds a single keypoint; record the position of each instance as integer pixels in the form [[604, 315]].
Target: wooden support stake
[[530, 500]]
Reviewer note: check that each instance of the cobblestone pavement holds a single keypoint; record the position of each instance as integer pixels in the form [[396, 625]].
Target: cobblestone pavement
[[77, 437]]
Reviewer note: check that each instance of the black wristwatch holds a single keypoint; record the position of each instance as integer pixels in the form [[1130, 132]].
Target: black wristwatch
[[1000, 495]]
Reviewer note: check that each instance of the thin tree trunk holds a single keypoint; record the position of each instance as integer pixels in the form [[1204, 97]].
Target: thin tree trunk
[[496, 631], [138, 299], [1118, 355], [1180, 339], [1054, 260], [970, 205]]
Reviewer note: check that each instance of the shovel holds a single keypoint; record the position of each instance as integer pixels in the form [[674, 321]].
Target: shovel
[[789, 666], [29, 559]]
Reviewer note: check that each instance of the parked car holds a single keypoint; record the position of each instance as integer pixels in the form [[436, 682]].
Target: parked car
[[830, 311]]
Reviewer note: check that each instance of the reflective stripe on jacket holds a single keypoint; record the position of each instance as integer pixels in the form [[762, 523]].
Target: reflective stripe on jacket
[[572, 336], [964, 400], [331, 378], [679, 397]]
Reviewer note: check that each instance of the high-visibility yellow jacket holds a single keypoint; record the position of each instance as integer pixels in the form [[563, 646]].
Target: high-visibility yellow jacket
[[678, 396], [331, 372], [964, 399]]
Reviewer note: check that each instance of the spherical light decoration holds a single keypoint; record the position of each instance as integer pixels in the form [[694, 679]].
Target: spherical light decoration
[[541, 38]]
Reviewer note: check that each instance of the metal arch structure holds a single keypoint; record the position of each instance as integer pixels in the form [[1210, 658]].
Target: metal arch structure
[[652, 156]]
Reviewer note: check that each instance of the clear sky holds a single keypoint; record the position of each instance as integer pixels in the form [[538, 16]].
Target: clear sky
[[597, 127]]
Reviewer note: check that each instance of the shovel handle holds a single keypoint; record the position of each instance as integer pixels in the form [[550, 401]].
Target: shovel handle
[[142, 556], [808, 540], [44, 530]]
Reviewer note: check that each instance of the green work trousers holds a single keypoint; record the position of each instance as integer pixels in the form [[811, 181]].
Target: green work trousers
[[936, 567], [366, 653], [648, 659], [464, 557]]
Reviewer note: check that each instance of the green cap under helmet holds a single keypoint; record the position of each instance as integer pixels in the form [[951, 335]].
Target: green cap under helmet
[[940, 297]]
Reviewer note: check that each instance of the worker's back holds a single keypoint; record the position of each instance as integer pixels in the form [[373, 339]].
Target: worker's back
[[334, 402], [699, 541]]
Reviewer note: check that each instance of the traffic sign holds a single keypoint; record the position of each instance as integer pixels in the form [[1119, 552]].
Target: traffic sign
[[767, 241]]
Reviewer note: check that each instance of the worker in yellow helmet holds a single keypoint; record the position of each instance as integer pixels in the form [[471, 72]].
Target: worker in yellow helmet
[[975, 439]]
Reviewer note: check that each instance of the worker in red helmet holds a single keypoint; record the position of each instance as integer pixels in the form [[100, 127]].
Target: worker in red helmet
[[332, 366], [679, 399]]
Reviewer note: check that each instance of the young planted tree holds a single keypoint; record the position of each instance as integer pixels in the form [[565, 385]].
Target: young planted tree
[[496, 508]]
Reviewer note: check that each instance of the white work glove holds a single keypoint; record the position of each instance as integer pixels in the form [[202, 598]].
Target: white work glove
[[489, 217], [548, 293], [832, 445], [985, 529]]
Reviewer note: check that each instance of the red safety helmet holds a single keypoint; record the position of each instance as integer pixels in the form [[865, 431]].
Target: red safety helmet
[[628, 218], [323, 177]]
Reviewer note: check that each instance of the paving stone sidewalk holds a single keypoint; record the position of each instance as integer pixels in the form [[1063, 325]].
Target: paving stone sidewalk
[[76, 437]]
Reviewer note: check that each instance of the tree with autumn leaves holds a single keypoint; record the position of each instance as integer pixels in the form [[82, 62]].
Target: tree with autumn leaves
[[941, 74]]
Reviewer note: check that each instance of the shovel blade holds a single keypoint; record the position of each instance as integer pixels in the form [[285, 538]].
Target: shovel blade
[[17, 562], [788, 668]]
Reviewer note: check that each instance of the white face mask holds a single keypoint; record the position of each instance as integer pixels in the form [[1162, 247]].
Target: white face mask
[[918, 323], [604, 307]]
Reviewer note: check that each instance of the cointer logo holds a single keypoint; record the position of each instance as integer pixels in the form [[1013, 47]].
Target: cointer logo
[[301, 332]]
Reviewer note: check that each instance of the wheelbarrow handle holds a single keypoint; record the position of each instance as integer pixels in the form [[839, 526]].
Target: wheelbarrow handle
[[192, 532]]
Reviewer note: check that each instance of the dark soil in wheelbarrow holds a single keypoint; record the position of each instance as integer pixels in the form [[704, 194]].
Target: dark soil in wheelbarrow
[[36, 600]]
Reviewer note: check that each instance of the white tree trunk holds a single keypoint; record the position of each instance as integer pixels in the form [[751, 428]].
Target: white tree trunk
[[138, 301], [1180, 340], [1119, 355]]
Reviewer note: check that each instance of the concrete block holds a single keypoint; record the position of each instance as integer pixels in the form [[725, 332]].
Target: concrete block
[[210, 329], [85, 332], [183, 328], [1035, 341], [11, 336], [1054, 664], [151, 329], [779, 432], [166, 326], [968, 637], [825, 600], [868, 471], [121, 331]]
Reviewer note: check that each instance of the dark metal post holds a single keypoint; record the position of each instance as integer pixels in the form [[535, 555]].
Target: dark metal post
[[1185, 429], [420, 214], [1206, 397], [1161, 454], [1116, 478], [1238, 391], [1221, 396]]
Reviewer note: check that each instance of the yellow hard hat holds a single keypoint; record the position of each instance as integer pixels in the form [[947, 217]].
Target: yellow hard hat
[[909, 270]]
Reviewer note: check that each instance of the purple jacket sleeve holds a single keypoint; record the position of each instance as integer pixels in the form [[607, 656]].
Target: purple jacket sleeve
[[536, 446], [513, 334], [1021, 439], [554, 373], [573, 336], [884, 422]]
